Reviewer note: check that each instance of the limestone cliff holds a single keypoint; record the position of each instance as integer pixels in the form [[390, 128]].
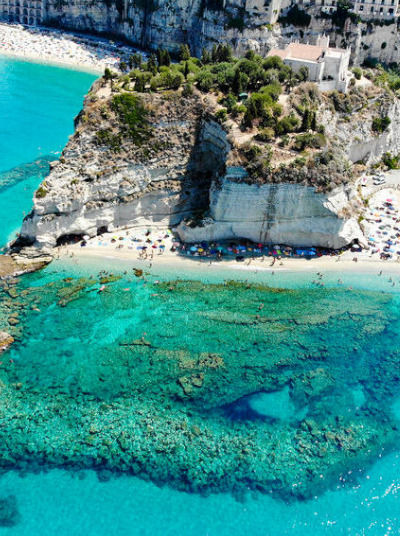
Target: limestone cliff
[[243, 24], [92, 189], [184, 167], [276, 213], [201, 23]]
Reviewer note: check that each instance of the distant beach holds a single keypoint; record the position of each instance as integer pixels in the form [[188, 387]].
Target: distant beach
[[61, 48]]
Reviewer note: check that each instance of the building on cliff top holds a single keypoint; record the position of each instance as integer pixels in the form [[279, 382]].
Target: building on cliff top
[[22, 11], [366, 9], [328, 67]]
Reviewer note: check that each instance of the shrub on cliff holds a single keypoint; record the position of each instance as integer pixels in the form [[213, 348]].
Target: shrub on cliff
[[390, 161], [308, 140], [266, 134], [296, 17], [289, 123], [187, 91], [106, 137], [357, 73], [41, 191], [380, 124], [132, 114]]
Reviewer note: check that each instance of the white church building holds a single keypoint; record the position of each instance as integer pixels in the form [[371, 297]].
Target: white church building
[[328, 67]]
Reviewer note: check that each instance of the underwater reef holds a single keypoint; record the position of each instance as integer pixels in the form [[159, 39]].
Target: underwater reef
[[205, 387]]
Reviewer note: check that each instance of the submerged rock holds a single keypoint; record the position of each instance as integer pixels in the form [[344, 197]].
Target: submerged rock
[[152, 405], [9, 514], [6, 341]]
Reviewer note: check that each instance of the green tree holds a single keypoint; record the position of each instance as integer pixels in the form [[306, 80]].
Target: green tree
[[307, 120], [184, 53], [186, 70], [205, 57], [205, 80], [303, 74], [135, 61], [140, 84], [108, 74], [152, 64], [240, 82], [163, 57]]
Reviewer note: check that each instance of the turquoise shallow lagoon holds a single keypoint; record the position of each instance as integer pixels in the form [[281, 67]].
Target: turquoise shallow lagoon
[[189, 404]]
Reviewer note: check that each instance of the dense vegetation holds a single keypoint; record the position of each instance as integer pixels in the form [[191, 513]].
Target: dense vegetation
[[247, 88], [275, 108]]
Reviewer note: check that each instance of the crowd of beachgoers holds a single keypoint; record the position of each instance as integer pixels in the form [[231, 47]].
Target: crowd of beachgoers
[[147, 244], [382, 225], [60, 47]]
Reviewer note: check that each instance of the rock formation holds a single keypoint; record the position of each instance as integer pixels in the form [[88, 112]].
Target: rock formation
[[6, 341], [188, 170], [202, 23], [276, 213]]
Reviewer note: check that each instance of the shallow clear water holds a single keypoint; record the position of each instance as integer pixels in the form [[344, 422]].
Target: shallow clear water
[[37, 106], [270, 385]]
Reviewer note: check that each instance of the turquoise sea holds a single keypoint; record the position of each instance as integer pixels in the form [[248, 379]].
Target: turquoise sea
[[38, 104], [186, 403]]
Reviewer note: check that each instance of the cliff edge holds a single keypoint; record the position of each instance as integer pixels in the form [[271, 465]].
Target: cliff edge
[[163, 150]]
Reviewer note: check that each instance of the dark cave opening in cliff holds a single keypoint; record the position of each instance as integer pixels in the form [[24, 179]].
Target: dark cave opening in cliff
[[69, 239]]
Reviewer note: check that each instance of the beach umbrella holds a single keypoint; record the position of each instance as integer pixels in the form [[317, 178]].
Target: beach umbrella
[[193, 248]]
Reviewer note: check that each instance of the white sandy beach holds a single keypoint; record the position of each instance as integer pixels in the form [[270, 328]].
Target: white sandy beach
[[110, 249], [60, 48]]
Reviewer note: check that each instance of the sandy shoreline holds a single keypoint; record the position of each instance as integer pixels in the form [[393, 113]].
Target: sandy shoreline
[[36, 58], [344, 264], [53, 47]]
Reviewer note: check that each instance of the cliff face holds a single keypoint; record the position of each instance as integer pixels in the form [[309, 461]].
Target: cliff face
[[276, 213], [202, 23], [92, 189], [177, 172], [350, 125], [243, 24]]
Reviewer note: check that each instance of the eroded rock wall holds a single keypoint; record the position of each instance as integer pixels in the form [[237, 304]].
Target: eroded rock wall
[[93, 190], [290, 214], [200, 23]]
